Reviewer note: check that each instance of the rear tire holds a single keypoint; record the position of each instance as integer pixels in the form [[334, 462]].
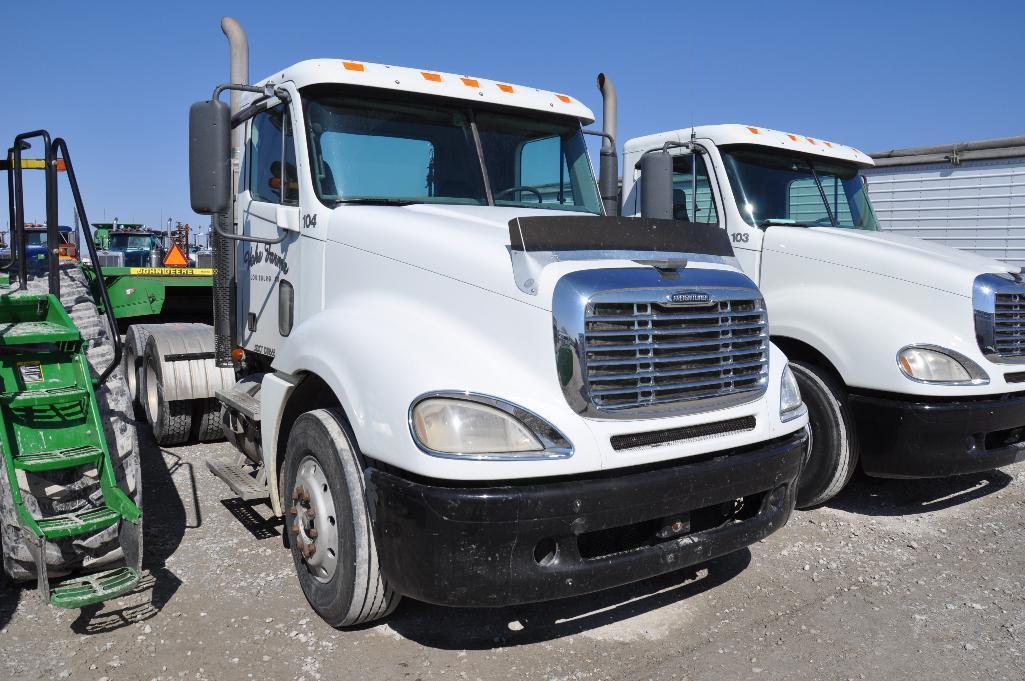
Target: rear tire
[[134, 365], [78, 489], [834, 450], [170, 421], [347, 587], [206, 420]]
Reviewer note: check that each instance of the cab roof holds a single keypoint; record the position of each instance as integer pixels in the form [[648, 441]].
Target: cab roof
[[455, 86], [735, 133]]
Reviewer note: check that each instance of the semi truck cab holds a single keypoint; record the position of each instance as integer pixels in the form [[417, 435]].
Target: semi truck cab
[[910, 355], [457, 379]]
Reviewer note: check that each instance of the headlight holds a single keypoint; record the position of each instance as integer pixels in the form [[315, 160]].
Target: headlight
[[933, 364], [790, 404], [463, 425]]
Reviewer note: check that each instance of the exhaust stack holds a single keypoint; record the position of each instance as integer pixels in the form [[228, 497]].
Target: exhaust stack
[[223, 249], [608, 165]]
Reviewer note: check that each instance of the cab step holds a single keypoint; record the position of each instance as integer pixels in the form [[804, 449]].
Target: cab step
[[79, 522], [101, 586], [243, 403], [239, 479], [38, 462], [45, 397]]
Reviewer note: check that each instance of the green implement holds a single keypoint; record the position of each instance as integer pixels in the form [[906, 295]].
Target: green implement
[[50, 421]]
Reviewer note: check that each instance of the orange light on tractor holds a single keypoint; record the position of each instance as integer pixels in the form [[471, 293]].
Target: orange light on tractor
[[433, 77], [810, 140], [470, 82], [564, 98], [792, 137], [238, 354], [353, 66], [505, 88], [754, 131]]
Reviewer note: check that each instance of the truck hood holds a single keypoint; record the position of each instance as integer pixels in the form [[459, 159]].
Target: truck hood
[[887, 255], [467, 243]]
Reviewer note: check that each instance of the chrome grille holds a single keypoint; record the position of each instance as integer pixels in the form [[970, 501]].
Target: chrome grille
[[205, 259], [1009, 325], [638, 354], [111, 258]]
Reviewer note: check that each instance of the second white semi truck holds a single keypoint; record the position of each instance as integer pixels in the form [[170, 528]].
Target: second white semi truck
[[909, 355], [455, 377]]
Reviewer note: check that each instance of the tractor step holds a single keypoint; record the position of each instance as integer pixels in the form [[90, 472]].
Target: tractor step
[[45, 397], [32, 333], [101, 586], [59, 459], [243, 403], [79, 522], [238, 479]]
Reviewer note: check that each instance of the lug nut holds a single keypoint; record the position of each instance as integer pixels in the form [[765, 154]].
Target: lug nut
[[293, 511], [313, 533], [311, 514], [294, 529], [301, 545]]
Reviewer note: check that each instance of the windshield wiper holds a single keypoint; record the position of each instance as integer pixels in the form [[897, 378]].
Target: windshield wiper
[[376, 201]]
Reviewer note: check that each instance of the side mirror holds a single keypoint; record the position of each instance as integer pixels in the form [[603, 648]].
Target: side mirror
[[210, 157], [657, 185]]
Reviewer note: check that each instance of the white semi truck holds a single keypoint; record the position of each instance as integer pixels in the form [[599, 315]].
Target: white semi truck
[[910, 356], [457, 379]]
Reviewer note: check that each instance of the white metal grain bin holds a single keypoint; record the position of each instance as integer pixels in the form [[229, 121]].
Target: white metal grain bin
[[969, 195]]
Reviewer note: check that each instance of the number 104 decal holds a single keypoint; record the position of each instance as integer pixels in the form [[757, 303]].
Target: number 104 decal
[[309, 220]]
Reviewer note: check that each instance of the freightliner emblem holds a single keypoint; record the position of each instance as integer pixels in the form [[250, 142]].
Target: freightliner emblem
[[689, 298]]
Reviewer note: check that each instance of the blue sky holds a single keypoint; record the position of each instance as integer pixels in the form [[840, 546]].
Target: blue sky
[[116, 78]]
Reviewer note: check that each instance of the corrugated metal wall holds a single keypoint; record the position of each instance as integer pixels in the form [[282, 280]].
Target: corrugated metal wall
[[977, 206]]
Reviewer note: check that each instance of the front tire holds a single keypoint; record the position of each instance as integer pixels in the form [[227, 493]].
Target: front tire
[[328, 525], [834, 448]]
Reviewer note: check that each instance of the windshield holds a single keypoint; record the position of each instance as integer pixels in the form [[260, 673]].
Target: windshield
[[35, 238], [778, 188], [122, 242], [380, 151]]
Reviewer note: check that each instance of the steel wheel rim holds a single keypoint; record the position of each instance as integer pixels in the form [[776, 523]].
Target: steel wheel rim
[[314, 525]]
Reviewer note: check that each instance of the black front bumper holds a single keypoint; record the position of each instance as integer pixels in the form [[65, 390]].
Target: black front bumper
[[526, 542], [928, 439]]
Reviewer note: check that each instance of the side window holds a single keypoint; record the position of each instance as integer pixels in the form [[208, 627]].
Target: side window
[[683, 186], [267, 158]]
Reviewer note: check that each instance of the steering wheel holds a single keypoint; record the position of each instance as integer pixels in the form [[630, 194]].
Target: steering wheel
[[522, 188]]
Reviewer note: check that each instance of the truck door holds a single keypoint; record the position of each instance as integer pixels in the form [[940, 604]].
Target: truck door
[[268, 204]]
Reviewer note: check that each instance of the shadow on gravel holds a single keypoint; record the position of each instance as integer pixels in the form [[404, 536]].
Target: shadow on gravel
[[10, 594], [166, 517], [886, 497], [255, 523], [485, 628]]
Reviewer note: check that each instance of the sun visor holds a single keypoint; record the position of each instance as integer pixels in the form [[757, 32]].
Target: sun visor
[[598, 233], [537, 241]]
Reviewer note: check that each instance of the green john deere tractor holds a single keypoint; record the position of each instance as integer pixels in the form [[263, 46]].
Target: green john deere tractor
[[71, 492]]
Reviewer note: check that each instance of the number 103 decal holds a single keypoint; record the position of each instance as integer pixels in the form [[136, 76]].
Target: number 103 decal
[[740, 237]]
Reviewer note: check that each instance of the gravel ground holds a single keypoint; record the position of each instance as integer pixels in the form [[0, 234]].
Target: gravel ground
[[894, 579]]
